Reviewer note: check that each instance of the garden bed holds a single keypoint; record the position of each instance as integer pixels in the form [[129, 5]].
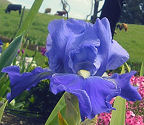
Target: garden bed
[[9, 119]]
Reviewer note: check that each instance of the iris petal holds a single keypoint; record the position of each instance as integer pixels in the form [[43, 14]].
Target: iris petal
[[105, 22], [76, 26], [94, 93], [56, 42], [104, 48], [83, 58], [64, 82], [20, 82], [72, 83], [128, 91], [117, 56], [100, 92]]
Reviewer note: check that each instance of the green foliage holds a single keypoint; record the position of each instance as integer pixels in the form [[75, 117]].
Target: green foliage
[[41, 100], [2, 107], [133, 42], [38, 31], [29, 18], [60, 107], [3, 3], [127, 67], [142, 69], [72, 113], [68, 106], [9, 54], [118, 115], [90, 122], [4, 86]]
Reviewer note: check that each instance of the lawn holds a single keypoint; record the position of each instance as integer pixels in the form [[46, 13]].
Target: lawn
[[38, 31], [133, 41]]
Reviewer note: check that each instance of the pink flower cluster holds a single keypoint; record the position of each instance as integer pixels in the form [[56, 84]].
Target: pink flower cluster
[[104, 119], [132, 119], [135, 110]]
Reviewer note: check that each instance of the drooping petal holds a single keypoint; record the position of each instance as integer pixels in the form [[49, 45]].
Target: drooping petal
[[117, 56], [100, 92], [94, 93], [128, 91], [20, 82], [72, 83], [64, 82]]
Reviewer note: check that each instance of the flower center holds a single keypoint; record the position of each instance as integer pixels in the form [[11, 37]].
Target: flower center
[[84, 73]]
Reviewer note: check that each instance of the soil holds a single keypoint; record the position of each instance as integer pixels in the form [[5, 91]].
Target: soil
[[9, 119]]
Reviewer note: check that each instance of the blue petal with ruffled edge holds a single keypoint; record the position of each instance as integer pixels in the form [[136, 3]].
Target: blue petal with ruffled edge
[[95, 93], [128, 91], [20, 82]]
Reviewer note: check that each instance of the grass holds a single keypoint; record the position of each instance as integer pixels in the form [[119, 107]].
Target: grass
[[132, 40], [38, 31], [3, 3]]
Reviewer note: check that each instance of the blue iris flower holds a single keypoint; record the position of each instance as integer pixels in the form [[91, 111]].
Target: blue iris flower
[[73, 46]]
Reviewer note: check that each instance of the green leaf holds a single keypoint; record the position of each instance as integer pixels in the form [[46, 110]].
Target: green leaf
[[10, 53], [61, 120], [72, 113], [118, 115], [123, 69], [142, 69], [2, 109], [4, 89], [60, 107], [69, 108], [90, 122], [128, 67], [29, 19]]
